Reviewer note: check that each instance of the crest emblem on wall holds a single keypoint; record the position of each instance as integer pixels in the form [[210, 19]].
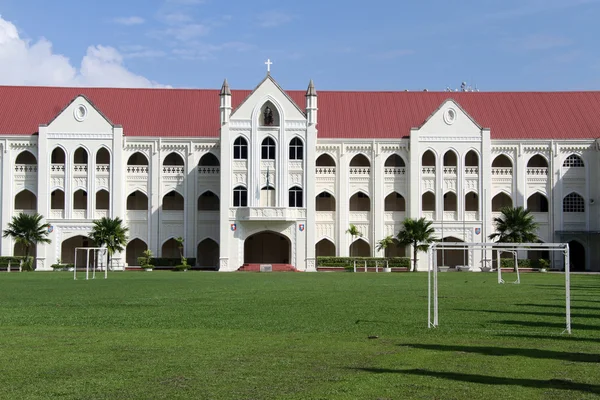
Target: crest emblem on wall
[[50, 228], [301, 227], [234, 227], [477, 231]]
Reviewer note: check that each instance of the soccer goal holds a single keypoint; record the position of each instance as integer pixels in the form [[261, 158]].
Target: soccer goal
[[96, 258], [432, 281]]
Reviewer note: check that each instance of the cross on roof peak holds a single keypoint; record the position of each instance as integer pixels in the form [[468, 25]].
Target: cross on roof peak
[[268, 63]]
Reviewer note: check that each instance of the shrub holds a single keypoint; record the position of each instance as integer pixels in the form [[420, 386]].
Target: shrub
[[524, 263], [145, 260], [181, 267], [62, 267], [348, 262], [170, 262]]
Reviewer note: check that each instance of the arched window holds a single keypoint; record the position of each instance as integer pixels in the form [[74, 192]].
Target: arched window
[[428, 201], [573, 161], [102, 200], [394, 161], [537, 161], [360, 160], [173, 201], [137, 201], [450, 201], [26, 157], [208, 201], [80, 156], [395, 202], [360, 202], [240, 149], [450, 159], [57, 156], [137, 158], [428, 159], [268, 149], [102, 156], [471, 202], [325, 160], [471, 159], [296, 197], [500, 201], [80, 200], [296, 149], [209, 160], [573, 203], [502, 161], [57, 200], [240, 197], [325, 202], [537, 203], [173, 159]]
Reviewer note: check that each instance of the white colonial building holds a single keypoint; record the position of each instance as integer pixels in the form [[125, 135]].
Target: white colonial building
[[277, 177]]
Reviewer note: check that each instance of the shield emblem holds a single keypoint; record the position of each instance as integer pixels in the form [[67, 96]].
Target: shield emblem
[[233, 227], [301, 227], [50, 228], [477, 231]]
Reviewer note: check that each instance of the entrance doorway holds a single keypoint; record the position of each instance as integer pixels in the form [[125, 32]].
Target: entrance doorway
[[577, 256], [267, 248]]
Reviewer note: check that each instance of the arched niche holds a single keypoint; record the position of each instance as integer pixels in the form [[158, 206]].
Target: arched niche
[[428, 159], [573, 161], [325, 202], [207, 255], [471, 159], [67, 250], [450, 202], [170, 249], [80, 200], [269, 116], [502, 161], [452, 257], [450, 159], [500, 201], [137, 158], [325, 248], [102, 156], [25, 200], [395, 202], [173, 159], [395, 250], [537, 202], [360, 202], [537, 161], [134, 250], [58, 156], [209, 160], [325, 160], [173, 201], [208, 201], [428, 201], [472, 202], [360, 248], [137, 201], [102, 200], [57, 200], [80, 156], [394, 161], [267, 247], [26, 157], [360, 160]]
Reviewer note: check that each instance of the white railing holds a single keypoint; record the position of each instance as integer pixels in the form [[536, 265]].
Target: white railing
[[173, 170], [325, 216], [502, 171], [59, 168], [360, 216], [103, 168], [450, 216], [267, 213], [270, 164], [136, 215], [137, 169], [428, 215], [240, 164], [79, 214], [206, 170], [325, 171], [296, 165], [394, 216], [449, 170], [26, 168], [80, 168], [471, 170], [360, 170], [172, 215], [57, 214], [394, 170], [428, 170], [27, 212], [537, 172], [472, 215], [101, 214]]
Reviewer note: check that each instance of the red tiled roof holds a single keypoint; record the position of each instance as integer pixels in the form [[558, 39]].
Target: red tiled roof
[[352, 115]]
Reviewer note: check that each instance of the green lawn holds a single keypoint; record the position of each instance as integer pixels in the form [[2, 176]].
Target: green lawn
[[175, 335]]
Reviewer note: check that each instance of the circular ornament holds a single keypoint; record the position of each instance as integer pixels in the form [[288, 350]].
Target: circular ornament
[[450, 116], [80, 112]]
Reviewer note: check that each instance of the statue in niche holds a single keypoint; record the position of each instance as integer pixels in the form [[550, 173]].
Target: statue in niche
[[268, 116]]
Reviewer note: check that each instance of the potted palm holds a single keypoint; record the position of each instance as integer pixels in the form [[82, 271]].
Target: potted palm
[[383, 244], [145, 260], [184, 265]]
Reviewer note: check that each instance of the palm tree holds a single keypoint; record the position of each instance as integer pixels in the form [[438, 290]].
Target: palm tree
[[515, 225], [27, 230], [109, 233], [418, 233], [383, 244], [354, 232]]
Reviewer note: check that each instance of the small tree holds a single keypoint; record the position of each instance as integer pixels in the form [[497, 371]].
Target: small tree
[[179, 240], [383, 244], [515, 225], [419, 234], [28, 231], [146, 259], [109, 233], [354, 232]]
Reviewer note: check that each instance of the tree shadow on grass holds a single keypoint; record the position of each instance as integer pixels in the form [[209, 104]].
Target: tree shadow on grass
[[561, 306], [543, 324], [508, 351], [540, 313], [558, 384], [563, 338]]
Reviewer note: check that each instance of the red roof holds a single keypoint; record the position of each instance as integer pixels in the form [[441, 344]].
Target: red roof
[[195, 113]]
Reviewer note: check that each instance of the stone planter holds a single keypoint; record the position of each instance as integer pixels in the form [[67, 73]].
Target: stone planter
[[486, 269], [387, 269], [443, 269]]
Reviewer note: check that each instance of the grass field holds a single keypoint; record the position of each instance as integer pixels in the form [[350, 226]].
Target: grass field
[[169, 335]]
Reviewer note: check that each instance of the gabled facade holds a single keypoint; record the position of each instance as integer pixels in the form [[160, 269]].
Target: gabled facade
[[276, 177]]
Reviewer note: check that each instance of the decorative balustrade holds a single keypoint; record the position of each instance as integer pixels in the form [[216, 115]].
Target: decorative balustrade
[[325, 171], [80, 168], [471, 215], [205, 170], [428, 215], [537, 172], [471, 170], [173, 169], [296, 165], [137, 169], [57, 168], [57, 214], [79, 214], [103, 168], [450, 216], [101, 214], [27, 212], [360, 216], [267, 213], [172, 215], [541, 217], [428, 171], [26, 168], [394, 170], [397, 216], [450, 170], [502, 171], [360, 170], [325, 216], [136, 215]]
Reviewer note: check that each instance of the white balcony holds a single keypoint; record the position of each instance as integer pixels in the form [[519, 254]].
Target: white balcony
[[79, 214], [360, 171], [58, 169], [267, 213], [360, 216], [26, 169], [57, 214], [502, 172], [98, 214], [450, 170], [27, 212], [428, 215], [172, 215], [471, 215], [80, 170], [206, 170], [394, 171], [325, 171], [394, 216], [136, 215], [102, 169], [428, 171], [471, 171], [173, 170], [537, 172], [325, 216], [450, 216]]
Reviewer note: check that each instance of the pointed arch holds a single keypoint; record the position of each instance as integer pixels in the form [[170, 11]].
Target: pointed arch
[[573, 161], [268, 149], [325, 201], [26, 157], [103, 156], [471, 202], [25, 200], [170, 249], [537, 202], [428, 201], [240, 148], [173, 201], [58, 155], [452, 257], [137, 201], [500, 201], [207, 254], [296, 196], [360, 201], [394, 202], [137, 158], [395, 160], [67, 249], [173, 159], [325, 160], [450, 201], [360, 160], [537, 161], [81, 155], [450, 158], [135, 249], [80, 200], [240, 196], [209, 160], [573, 203], [395, 250], [296, 148], [360, 248], [208, 201], [267, 247], [102, 200], [57, 199], [325, 248], [472, 158], [269, 114], [428, 159], [502, 161]]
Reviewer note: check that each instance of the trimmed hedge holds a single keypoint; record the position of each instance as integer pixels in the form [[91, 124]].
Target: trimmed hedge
[[524, 263], [170, 262], [348, 262], [62, 266], [14, 260]]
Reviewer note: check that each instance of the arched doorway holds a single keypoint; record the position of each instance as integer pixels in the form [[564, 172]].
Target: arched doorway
[[452, 257], [267, 248], [67, 250], [134, 249], [576, 256], [325, 248], [208, 254]]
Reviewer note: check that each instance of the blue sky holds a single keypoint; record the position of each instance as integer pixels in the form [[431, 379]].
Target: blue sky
[[342, 45]]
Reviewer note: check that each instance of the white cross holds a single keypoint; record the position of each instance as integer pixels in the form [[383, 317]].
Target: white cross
[[268, 64]]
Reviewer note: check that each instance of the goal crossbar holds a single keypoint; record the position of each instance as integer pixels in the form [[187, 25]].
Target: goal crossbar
[[98, 253], [432, 286]]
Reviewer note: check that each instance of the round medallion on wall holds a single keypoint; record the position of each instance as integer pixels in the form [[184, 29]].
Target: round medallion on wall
[[450, 116], [80, 112]]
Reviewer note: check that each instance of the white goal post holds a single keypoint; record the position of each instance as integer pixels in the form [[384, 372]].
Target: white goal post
[[96, 258], [432, 285]]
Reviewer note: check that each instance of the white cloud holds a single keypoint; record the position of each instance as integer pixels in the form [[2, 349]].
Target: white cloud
[[129, 20], [187, 32], [23, 62]]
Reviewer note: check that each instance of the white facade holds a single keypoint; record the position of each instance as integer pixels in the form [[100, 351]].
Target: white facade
[[271, 203]]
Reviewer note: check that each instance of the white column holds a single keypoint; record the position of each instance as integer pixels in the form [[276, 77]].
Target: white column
[[378, 200], [343, 203]]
